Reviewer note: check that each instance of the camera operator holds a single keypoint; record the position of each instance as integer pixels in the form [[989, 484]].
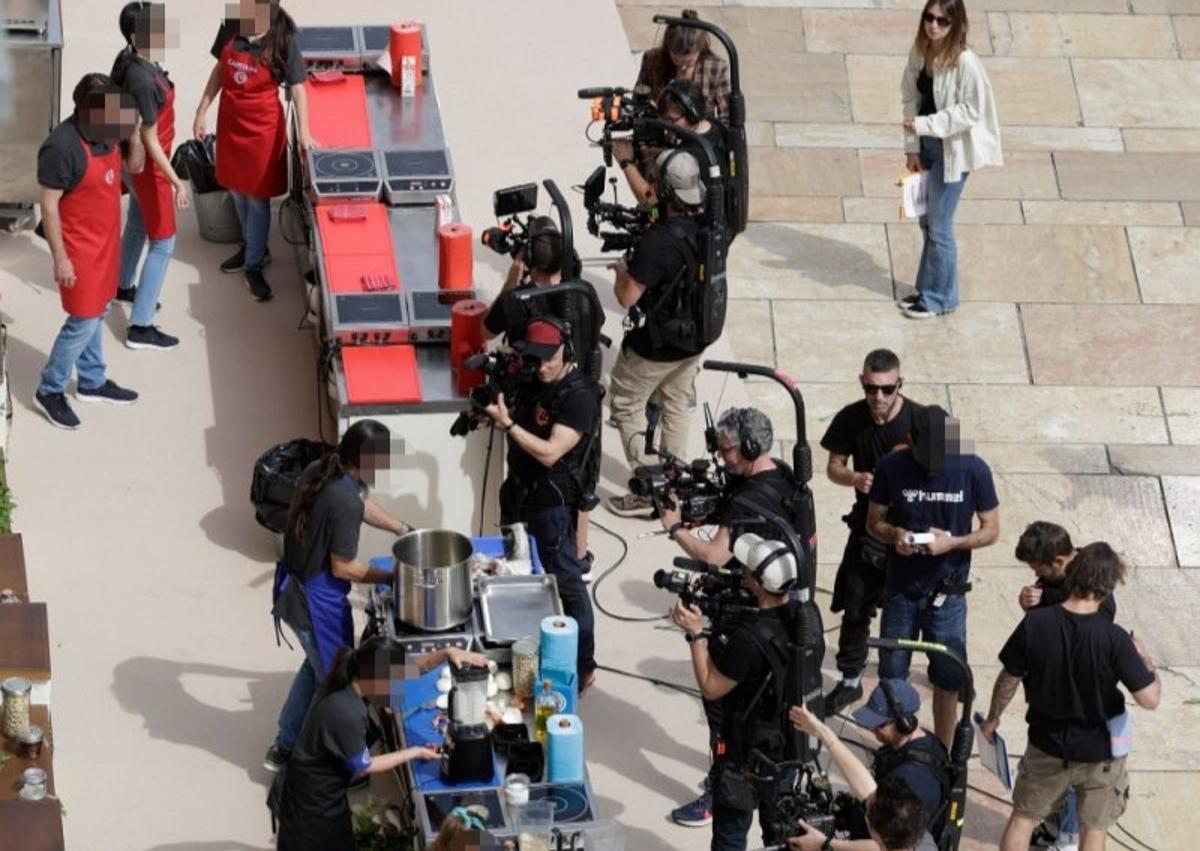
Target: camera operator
[[654, 281], [1071, 658], [685, 54], [549, 438], [937, 488], [682, 104], [744, 438], [863, 431], [743, 667], [907, 753], [537, 264]]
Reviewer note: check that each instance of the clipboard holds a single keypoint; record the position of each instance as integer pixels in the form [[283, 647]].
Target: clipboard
[[914, 194], [993, 755]]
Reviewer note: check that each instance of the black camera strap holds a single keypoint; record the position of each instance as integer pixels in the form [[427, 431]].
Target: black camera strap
[[577, 382]]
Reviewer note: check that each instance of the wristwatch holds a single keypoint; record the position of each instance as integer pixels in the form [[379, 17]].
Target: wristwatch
[[675, 527], [827, 845]]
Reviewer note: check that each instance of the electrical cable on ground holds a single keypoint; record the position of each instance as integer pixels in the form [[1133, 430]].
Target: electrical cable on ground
[[608, 572], [487, 468]]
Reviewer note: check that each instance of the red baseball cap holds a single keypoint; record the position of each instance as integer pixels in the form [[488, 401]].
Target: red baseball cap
[[542, 340]]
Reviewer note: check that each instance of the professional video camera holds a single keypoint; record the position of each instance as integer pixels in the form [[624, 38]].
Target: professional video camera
[[629, 223], [796, 791], [621, 110], [512, 234], [509, 373], [695, 487], [716, 592]]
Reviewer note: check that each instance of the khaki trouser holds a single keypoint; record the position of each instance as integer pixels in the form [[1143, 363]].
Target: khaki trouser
[[634, 380]]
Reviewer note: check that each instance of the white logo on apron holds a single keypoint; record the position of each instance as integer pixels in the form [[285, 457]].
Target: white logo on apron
[[239, 77], [109, 177]]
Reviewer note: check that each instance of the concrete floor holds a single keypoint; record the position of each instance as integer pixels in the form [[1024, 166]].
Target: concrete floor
[[140, 535]]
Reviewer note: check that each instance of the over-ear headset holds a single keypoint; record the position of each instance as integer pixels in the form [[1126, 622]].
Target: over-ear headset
[[748, 446], [905, 722], [543, 236], [564, 328], [683, 94]]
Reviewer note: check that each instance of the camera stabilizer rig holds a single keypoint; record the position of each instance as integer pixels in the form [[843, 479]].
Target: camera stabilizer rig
[[695, 487]]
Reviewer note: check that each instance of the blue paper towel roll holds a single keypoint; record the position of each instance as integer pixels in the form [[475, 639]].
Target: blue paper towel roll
[[560, 643], [565, 745]]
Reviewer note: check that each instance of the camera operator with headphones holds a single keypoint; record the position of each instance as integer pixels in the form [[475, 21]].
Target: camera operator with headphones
[[657, 285], [742, 666], [549, 438], [537, 264], [682, 103], [744, 438], [908, 753]]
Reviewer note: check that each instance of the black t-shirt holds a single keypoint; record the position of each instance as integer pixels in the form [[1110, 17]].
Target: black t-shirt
[[739, 656], [294, 71], [925, 87], [510, 316], [918, 502], [61, 160], [1071, 665], [141, 83], [658, 259], [855, 434], [767, 489], [715, 136], [573, 402], [331, 749], [1054, 593]]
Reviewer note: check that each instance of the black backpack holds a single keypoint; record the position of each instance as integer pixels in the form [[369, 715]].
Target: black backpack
[[276, 474], [689, 313]]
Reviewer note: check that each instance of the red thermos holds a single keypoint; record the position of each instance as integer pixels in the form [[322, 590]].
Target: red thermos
[[404, 48], [455, 257], [466, 338]]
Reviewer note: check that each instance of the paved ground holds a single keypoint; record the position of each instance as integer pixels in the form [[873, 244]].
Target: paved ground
[[1063, 360], [1066, 361]]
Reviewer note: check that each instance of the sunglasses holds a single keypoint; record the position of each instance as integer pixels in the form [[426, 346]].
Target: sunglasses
[[885, 389], [940, 20]]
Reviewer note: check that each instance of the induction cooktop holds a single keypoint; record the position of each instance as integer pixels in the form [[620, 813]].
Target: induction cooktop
[[330, 47], [344, 174], [429, 313], [570, 801], [417, 176]]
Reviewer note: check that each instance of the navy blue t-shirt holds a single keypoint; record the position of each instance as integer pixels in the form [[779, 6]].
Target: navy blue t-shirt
[[917, 502]]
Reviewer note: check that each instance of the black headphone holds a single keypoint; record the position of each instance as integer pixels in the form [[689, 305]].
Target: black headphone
[[747, 444], [680, 92], [546, 233], [666, 192], [564, 329], [906, 722]]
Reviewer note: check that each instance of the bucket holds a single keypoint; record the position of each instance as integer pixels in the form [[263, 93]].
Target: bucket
[[216, 217]]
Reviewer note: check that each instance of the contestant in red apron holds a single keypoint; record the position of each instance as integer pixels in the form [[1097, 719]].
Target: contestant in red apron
[[256, 53], [157, 191], [79, 169]]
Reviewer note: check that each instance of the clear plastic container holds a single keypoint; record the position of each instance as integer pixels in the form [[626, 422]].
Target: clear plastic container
[[534, 821], [17, 692]]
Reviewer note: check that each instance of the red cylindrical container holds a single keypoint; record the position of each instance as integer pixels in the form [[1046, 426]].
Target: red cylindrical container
[[455, 257], [466, 338], [404, 48]]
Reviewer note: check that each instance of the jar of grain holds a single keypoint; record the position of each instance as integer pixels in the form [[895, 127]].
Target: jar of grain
[[17, 692]]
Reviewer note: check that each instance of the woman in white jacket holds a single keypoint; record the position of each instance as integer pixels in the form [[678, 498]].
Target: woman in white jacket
[[950, 129]]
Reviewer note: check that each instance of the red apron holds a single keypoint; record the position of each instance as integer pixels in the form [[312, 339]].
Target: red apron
[[251, 131], [91, 228], [155, 194]]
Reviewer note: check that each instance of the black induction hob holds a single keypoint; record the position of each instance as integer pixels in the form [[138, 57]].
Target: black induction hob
[[417, 176], [344, 174], [330, 47], [570, 801]]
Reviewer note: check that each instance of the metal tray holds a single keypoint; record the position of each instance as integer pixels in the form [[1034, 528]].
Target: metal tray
[[513, 606]]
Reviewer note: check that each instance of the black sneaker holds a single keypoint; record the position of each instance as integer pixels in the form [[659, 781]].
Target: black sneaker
[[589, 561], [259, 288], [908, 300], [56, 409], [841, 696], [276, 758], [918, 310], [149, 337], [237, 262], [109, 393]]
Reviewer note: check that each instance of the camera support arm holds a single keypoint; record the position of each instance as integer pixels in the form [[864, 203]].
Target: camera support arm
[[565, 227], [714, 202], [737, 101]]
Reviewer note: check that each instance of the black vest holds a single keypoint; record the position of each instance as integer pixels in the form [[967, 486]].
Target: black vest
[[929, 753]]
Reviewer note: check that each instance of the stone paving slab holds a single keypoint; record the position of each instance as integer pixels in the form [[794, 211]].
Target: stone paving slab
[[1183, 504], [789, 261], [1110, 344], [875, 31], [1043, 458], [1054, 263], [1167, 7], [794, 171], [970, 211], [760, 134], [1112, 213], [1133, 460], [1094, 176], [874, 83], [1026, 174], [1167, 260], [752, 29], [1040, 34], [795, 209], [1126, 511], [749, 322], [1182, 407], [1187, 33], [1032, 138], [980, 343], [1163, 139], [1191, 214], [774, 93], [798, 135], [1138, 92], [1061, 414]]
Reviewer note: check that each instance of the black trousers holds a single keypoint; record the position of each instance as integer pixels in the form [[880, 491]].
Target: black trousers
[[857, 594], [553, 528]]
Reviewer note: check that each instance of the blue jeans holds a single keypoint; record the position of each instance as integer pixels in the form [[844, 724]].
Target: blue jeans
[[255, 216], [937, 275], [300, 697], [76, 348], [554, 530], [154, 270], [1068, 816], [904, 617]]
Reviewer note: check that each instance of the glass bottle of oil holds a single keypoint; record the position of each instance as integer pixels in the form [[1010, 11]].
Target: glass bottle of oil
[[547, 704]]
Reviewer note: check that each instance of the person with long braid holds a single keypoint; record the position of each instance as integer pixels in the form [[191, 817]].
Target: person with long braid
[[320, 560]]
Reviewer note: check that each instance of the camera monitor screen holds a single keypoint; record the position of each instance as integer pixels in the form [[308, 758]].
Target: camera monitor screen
[[515, 199]]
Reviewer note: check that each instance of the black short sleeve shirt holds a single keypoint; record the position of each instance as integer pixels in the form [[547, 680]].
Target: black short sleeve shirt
[[765, 489], [576, 406], [855, 434], [142, 84], [61, 159], [294, 71], [1071, 665], [658, 258]]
